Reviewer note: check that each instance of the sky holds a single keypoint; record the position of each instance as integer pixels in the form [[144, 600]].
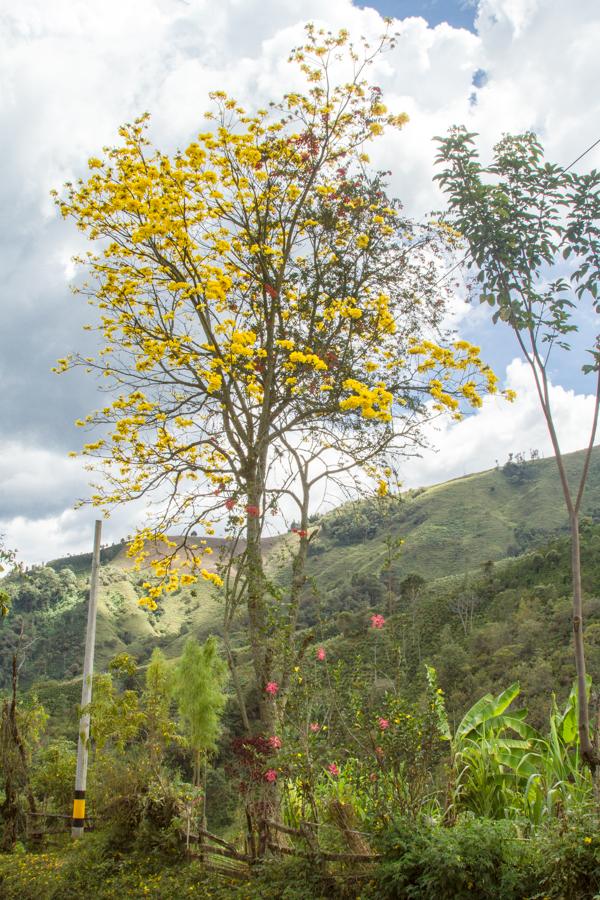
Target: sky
[[457, 13], [72, 71]]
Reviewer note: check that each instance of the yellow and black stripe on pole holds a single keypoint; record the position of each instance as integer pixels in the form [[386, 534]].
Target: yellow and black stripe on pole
[[86, 694], [79, 809]]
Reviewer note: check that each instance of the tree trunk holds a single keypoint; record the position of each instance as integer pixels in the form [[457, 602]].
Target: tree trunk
[[10, 811], [204, 781], [11, 742], [587, 748], [262, 653]]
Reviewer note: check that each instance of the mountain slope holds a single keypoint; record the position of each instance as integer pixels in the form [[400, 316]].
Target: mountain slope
[[447, 529], [455, 526]]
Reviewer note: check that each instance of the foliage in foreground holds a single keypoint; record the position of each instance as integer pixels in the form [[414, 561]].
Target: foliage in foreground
[[476, 859]]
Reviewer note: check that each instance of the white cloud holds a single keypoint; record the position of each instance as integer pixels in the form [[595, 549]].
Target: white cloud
[[34, 478], [41, 539], [500, 428]]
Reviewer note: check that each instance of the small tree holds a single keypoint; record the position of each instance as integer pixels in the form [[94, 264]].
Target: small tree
[[54, 774], [527, 225], [464, 605], [21, 724], [198, 683], [160, 728]]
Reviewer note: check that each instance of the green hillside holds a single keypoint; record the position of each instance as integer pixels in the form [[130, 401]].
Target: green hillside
[[452, 527], [449, 530]]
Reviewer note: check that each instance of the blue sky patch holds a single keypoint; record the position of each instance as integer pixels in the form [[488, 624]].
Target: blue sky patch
[[458, 13]]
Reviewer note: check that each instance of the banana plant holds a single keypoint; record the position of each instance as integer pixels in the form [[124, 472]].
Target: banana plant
[[504, 768], [555, 779], [488, 743]]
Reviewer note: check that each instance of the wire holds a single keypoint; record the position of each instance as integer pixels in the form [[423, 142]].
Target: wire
[[585, 153], [466, 256], [454, 267]]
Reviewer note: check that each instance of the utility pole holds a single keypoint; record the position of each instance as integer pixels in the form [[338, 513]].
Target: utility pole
[[86, 693]]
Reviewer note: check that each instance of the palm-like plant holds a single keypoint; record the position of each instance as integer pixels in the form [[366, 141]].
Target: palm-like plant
[[504, 768]]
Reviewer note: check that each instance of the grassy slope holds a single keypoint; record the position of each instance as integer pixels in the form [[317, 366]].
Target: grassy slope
[[458, 525], [448, 529]]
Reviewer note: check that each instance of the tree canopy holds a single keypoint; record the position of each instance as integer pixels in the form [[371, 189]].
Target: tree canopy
[[270, 318], [532, 229]]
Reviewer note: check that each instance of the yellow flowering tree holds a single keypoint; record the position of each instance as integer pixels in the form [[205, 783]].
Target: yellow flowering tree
[[270, 321]]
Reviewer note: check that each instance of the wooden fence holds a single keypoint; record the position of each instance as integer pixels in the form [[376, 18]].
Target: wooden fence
[[219, 855], [267, 839], [41, 825], [275, 840]]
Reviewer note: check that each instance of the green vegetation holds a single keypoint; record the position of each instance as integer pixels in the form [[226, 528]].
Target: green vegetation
[[476, 860], [450, 532], [385, 702], [503, 771]]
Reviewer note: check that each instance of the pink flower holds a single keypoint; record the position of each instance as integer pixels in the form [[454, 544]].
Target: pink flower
[[333, 770], [314, 727], [229, 504], [271, 688], [275, 742], [271, 775], [253, 511], [383, 723], [321, 654], [377, 621]]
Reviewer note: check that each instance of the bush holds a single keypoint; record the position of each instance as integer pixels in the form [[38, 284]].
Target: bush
[[297, 880], [53, 775], [138, 806], [476, 859], [569, 861]]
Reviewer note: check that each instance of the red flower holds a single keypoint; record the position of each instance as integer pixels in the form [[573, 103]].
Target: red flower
[[321, 654], [333, 770], [230, 503], [377, 621], [275, 742], [271, 688], [383, 723], [271, 775], [253, 511]]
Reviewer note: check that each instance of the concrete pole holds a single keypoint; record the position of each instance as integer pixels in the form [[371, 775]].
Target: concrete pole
[[86, 693]]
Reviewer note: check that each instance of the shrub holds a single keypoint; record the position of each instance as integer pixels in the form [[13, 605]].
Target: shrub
[[297, 880], [476, 859], [53, 776], [569, 861]]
